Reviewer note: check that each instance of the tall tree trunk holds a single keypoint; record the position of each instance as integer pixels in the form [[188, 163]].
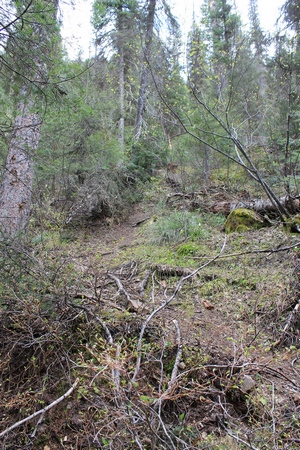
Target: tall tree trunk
[[121, 51], [144, 80], [16, 187], [17, 180], [121, 98]]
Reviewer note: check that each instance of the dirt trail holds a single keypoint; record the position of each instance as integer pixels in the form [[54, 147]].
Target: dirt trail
[[104, 239]]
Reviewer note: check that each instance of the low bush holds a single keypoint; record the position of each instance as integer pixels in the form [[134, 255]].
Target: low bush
[[176, 227]]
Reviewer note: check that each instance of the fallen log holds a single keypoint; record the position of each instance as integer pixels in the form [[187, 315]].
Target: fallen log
[[168, 271], [261, 206], [203, 202]]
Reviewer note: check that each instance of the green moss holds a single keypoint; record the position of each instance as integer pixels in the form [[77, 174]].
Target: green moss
[[292, 224], [186, 249], [242, 219]]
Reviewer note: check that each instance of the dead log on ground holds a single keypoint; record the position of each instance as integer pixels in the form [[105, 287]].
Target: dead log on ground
[[261, 206], [168, 271]]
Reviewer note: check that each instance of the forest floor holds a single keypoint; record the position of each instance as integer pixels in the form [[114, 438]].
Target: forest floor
[[177, 341]]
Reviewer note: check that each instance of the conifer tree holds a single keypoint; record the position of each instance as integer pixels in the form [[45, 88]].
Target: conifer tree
[[144, 80], [284, 70], [256, 34], [116, 28]]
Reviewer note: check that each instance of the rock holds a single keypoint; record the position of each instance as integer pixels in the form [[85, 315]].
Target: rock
[[135, 305], [243, 219], [247, 383], [296, 398]]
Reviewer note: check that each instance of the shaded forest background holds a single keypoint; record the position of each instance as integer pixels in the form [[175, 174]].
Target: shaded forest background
[[134, 108]]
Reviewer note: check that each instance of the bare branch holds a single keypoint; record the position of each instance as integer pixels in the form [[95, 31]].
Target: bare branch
[[234, 436], [20, 16], [120, 286], [102, 323], [250, 252], [41, 411], [178, 355], [291, 319]]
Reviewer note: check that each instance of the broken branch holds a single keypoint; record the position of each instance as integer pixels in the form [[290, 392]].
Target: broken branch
[[41, 411]]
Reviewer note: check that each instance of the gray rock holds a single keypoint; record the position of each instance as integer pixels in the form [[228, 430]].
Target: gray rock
[[247, 383]]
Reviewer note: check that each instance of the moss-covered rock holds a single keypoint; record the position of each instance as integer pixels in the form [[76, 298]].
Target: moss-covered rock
[[292, 224], [242, 219]]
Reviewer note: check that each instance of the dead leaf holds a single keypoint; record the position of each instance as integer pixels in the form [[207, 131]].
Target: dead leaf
[[135, 304], [207, 304]]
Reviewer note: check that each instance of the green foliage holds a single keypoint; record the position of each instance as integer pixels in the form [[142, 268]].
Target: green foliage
[[222, 26], [186, 249], [292, 224], [33, 46], [292, 13], [25, 281], [6, 118], [146, 156], [79, 134], [105, 11], [175, 227]]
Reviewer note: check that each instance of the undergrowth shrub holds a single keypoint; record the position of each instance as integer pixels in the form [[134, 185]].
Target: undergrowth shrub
[[176, 227], [31, 274], [52, 332], [103, 194], [98, 194]]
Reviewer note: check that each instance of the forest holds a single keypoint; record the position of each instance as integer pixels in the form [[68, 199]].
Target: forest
[[149, 229]]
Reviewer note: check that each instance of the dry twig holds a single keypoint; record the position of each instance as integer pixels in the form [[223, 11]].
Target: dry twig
[[41, 411], [175, 367], [102, 323], [287, 325], [178, 355], [144, 282], [120, 286], [250, 252]]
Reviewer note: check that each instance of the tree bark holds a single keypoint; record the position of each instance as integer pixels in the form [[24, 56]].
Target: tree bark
[[121, 62], [121, 123], [36, 42], [16, 187]]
